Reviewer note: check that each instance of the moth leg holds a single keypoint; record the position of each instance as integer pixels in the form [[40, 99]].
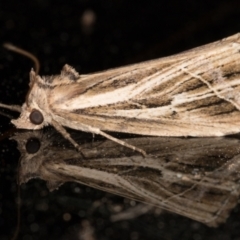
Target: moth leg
[[16, 108], [66, 135], [123, 143]]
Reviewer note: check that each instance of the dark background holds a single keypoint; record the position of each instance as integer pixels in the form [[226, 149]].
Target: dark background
[[123, 32]]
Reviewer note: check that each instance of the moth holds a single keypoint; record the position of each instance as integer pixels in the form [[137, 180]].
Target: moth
[[197, 177], [194, 93]]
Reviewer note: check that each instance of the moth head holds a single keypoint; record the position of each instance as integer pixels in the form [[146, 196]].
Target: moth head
[[35, 112], [30, 119]]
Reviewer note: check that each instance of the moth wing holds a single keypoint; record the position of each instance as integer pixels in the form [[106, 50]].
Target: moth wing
[[195, 93]]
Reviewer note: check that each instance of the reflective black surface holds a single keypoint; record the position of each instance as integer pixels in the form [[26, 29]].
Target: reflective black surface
[[123, 32]]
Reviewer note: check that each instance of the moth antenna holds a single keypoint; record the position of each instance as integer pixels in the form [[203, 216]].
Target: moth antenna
[[25, 53], [16, 108], [5, 114]]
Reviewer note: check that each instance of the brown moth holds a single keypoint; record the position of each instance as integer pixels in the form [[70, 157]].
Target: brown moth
[[194, 93], [197, 178]]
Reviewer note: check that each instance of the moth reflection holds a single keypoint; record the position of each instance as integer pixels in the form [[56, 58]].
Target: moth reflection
[[197, 177]]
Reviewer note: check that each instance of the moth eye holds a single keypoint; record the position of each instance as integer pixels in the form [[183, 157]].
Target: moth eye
[[33, 145], [36, 117]]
